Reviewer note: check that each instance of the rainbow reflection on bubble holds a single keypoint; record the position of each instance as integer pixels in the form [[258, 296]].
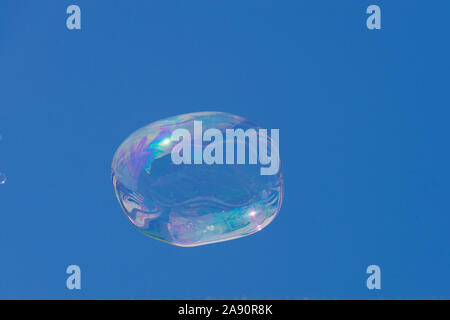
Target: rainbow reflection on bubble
[[191, 205]]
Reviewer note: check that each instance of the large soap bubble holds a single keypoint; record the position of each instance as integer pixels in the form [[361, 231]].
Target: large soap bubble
[[185, 180]]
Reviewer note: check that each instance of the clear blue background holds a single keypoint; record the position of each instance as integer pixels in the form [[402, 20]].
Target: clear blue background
[[364, 128]]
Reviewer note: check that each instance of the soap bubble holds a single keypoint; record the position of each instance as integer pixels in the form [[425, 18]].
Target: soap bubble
[[198, 203], [2, 178]]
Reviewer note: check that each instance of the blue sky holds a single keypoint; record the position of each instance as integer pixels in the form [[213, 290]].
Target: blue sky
[[363, 118]]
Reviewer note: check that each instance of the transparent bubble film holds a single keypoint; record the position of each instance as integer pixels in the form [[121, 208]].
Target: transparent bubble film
[[201, 200]]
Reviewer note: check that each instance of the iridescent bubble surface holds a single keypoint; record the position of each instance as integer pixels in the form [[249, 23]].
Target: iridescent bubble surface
[[193, 204]]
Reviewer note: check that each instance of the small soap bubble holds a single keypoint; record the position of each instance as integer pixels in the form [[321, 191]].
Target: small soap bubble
[[202, 202], [2, 178]]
